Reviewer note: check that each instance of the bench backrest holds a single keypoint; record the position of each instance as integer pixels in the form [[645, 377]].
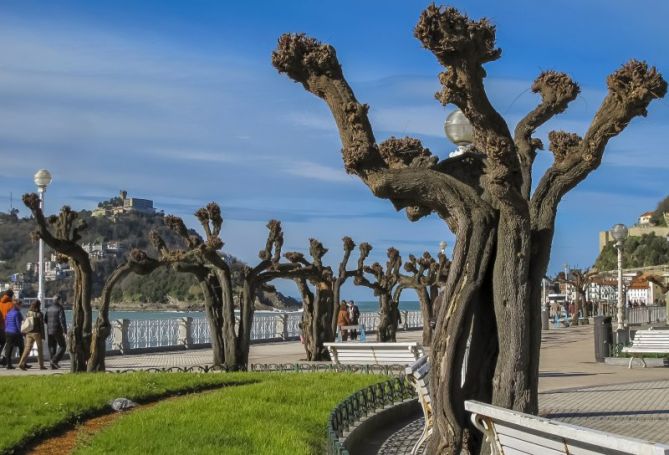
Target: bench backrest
[[418, 374], [514, 432], [651, 338], [374, 353]]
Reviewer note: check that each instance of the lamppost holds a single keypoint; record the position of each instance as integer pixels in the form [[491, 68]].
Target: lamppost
[[619, 234], [42, 179], [459, 131], [442, 247]]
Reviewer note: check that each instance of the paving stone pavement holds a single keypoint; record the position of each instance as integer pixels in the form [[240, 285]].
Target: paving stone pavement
[[403, 441], [639, 410], [573, 388]]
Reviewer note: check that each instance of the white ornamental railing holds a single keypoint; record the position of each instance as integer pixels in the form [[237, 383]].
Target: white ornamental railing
[[151, 333], [155, 334], [647, 314], [293, 321], [200, 331]]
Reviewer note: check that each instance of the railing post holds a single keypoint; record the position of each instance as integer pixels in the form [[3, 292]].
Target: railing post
[[405, 317], [185, 333], [120, 335], [282, 326]]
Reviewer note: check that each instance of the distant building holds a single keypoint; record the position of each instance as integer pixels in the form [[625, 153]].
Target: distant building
[[644, 226], [124, 204], [138, 205], [644, 219]]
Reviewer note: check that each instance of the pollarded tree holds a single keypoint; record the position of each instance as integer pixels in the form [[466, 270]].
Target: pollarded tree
[[503, 231], [138, 262], [343, 274], [383, 284], [426, 276], [580, 281], [318, 304], [64, 240]]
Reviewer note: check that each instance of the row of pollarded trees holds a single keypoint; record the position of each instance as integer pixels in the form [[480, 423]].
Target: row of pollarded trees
[[489, 317], [319, 287]]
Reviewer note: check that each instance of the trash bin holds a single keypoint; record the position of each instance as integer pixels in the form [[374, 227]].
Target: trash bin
[[603, 337]]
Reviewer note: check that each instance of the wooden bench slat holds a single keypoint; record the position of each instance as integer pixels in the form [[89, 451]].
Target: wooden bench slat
[[578, 440]]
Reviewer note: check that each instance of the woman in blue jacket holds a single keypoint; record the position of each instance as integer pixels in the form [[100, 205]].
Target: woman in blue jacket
[[13, 337]]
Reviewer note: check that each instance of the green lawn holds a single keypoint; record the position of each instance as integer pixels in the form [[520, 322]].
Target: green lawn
[[260, 413]]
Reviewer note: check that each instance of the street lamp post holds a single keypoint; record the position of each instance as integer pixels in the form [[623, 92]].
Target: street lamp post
[[42, 179], [619, 234], [442, 247], [459, 131]]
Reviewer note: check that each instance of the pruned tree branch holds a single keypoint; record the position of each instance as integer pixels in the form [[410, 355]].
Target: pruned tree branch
[[557, 90]]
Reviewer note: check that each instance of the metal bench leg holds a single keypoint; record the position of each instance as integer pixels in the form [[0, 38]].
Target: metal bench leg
[[629, 365], [421, 440], [643, 361]]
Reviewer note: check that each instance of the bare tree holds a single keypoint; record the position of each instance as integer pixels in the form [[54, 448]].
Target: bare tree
[[504, 231], [344, 274], [427, 275], [383, 284], [139, 263], [318, 306], [580, 281], [64, 240]]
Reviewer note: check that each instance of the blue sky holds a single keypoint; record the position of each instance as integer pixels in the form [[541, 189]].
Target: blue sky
[[178, 102]]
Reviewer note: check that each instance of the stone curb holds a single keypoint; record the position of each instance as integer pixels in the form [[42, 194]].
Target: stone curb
[[650, 362]]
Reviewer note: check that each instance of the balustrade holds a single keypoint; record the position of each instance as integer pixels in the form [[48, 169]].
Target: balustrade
[[155, 334]]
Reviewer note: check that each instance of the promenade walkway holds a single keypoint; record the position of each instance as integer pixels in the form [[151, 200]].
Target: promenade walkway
[[574, 388]]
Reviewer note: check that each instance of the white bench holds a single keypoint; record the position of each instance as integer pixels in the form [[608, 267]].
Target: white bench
[[648, 342], [374, 353], [418, 374], [511, 432]]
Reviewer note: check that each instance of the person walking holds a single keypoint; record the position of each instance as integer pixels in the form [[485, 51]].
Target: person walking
[[13, 337], [354, 317], [6, 304], [56, 328], [34, 332], [343, 320]]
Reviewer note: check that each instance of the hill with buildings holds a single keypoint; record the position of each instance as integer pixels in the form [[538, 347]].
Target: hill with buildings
[[647, 244], [114, 228]]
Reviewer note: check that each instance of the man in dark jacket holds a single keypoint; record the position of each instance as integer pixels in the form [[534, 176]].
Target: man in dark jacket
[[56, 328], [13, 335]]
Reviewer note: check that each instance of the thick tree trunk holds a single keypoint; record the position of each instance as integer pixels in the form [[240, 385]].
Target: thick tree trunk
[[512, 382], [80, 332], [336, 300], [231, 358], [426, 310], [213, 307], [388, 319], [467, 293], [321, 328], [246, 303]]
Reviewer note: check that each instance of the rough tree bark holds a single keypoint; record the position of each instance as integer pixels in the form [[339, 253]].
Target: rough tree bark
[[64, 242], [504, 233], [385, 282]]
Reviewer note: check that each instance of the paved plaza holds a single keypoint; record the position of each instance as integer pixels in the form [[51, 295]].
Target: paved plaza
[[572, 386]]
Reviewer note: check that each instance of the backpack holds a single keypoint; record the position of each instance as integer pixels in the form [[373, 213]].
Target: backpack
[[28, 325]]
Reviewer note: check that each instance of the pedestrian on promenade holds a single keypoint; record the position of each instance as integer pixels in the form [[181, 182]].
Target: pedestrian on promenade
[[56, 327], [33, 328], [6, 304], [13, 338], [343, 320], [354, 317]]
